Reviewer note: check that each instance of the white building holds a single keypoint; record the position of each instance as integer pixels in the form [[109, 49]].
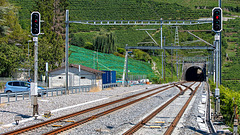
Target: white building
[[88, 76]]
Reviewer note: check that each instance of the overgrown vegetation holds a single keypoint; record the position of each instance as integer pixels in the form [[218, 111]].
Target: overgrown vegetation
[[229, 100]]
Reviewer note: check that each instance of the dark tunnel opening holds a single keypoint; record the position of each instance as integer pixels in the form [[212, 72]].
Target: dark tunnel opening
[[195, 74]]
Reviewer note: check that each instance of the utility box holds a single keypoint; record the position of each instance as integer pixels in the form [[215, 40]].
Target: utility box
[[34, 89]]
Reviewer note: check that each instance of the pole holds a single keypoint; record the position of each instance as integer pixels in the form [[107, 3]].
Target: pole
[[220, 52], [94, 60], [28, 61], [79, 69], [97, 60], [164, 59], [217, 59], [217, 91], [162, 64], [171, 62], [124, 68], [177, 62], [66, 50], [218, 68], [217, 64], [127, 68], [214, 65], [161, 36], [35, 104], [46, 79]]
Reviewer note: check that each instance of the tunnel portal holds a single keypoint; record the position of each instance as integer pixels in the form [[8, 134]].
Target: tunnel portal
[[195, 73]]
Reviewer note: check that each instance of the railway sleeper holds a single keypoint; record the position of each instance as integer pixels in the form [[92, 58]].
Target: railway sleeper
[[69, 121], [155, 126], [57, 125]]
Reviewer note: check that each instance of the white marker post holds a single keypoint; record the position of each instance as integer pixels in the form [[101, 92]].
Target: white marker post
[[79, 70]]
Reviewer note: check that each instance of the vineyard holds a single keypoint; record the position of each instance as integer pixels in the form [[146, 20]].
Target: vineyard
[[230, 69]]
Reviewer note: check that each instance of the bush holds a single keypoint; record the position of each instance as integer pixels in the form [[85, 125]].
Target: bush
[[89, 45], [77, 41], [121, 50], [229, 99]]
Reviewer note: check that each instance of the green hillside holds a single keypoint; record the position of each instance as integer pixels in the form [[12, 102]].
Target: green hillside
[[103, 61], [231, 61]]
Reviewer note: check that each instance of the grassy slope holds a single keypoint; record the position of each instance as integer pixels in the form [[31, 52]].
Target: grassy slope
[[108, 62]]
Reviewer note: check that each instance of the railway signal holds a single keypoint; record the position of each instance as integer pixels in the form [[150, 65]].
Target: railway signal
[[35, 30], [35, 23], [217, 19]]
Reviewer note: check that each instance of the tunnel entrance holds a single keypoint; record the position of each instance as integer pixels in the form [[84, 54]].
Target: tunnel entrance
[[195, 74]]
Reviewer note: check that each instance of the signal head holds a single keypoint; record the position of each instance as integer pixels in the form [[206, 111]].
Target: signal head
[[35, 23], [217, 19]]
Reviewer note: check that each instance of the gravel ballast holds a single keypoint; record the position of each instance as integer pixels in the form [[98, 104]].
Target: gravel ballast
[[57, 105], [115, 123]]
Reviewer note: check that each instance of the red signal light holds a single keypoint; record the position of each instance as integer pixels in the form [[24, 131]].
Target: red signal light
[[35, 21], [217, 17]]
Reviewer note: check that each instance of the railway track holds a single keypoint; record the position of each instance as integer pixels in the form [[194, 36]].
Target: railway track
[[177, 118], [45, 124]]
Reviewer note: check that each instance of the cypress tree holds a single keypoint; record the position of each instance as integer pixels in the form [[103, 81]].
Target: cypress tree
[[104, 42]]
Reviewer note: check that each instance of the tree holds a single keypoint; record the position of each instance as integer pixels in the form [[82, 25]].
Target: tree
[[3, 12], [77, 41], [59, 16], [11, 56], [105, 42]]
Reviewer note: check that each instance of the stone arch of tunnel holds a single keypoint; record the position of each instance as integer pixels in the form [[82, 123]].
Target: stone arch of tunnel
[[195, 73]]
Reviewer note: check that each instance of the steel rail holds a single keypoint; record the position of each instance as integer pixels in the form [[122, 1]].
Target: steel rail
[[31, 127], [178, 117], [149, 117], [67, 127]]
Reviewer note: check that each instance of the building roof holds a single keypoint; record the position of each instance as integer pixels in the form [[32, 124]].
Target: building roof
[[82, 68]]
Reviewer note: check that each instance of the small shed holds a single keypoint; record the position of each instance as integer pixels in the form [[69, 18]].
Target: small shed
[[86, 76]]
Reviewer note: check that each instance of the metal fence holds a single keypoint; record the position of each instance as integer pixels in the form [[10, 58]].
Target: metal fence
[[6, 79], [50, 92], [15, 96], [110, 85]]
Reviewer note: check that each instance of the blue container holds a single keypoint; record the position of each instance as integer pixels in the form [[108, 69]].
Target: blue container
[[106, 77], [109, 77], [113, 76]]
